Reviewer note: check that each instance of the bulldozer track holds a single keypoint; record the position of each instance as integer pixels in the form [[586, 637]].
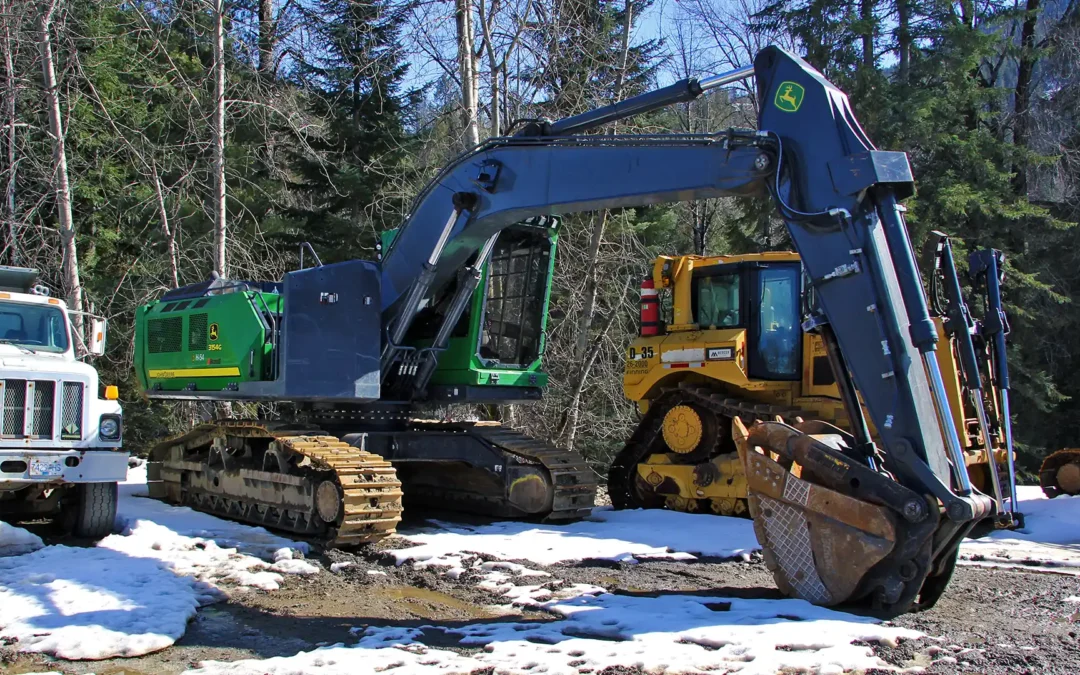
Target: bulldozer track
[[573, 480], [1048, 472], [303, 481], [623, 473]]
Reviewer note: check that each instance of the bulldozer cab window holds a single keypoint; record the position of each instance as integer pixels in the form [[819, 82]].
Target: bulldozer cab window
[[513, 313], [717, 301], [775, 335]]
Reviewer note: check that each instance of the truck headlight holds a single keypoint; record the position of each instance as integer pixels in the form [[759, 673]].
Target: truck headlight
[[109, 428]]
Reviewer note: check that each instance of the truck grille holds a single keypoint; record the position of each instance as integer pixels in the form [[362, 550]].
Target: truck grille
[[30, 409], [41, 414]]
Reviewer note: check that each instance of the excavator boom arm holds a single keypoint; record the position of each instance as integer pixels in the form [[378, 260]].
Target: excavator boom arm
[[839, 197]]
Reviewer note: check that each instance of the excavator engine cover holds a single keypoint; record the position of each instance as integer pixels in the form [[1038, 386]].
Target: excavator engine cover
[[841, 533]]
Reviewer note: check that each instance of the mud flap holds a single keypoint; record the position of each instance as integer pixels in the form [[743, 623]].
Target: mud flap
[[841, 533]]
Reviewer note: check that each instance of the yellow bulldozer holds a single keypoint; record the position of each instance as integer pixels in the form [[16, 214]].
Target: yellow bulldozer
[[723, 338]]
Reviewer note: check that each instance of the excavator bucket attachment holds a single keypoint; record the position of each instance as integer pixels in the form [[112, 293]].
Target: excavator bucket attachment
[[842, 532]]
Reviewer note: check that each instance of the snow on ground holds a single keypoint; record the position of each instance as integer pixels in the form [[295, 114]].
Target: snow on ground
[[17, 541], [94, 603], [199, 545], [1050, 540], [674, 633], [607, 535], [135, 592], [594, 629]]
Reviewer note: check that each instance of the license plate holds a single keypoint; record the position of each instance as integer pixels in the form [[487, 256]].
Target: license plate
[[46, 467]]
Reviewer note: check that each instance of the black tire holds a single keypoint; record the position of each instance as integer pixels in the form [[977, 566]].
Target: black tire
[[92, 510]]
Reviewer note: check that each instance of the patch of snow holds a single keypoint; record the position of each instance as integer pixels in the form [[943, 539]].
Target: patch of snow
[[216, 551], [513, 568], [94, 603], [1049, 541], [135, 592], [1072, 598], [340, 660], [606, 535], [675, 633], [377, 573], [17, 541], [290, 566], [338, 566], [283, 554]]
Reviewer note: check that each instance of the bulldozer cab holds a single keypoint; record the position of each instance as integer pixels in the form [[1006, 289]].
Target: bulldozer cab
[[762, 298]]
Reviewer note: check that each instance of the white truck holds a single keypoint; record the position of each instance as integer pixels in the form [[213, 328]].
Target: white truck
[[60, 437]]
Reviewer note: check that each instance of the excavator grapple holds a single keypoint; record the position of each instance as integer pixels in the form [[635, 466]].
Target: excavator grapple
[[838, 532], [358, 348]]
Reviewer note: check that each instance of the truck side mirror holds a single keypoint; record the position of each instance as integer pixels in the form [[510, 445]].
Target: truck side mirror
[[97, 336]]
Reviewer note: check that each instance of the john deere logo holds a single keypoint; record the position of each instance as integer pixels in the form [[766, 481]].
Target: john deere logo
[[213, 331], [789, 96]]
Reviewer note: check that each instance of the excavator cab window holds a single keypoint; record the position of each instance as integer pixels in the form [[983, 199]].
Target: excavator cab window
[[775, 334], [517, 283]]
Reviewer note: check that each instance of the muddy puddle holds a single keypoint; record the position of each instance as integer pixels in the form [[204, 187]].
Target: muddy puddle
[[432, 604]]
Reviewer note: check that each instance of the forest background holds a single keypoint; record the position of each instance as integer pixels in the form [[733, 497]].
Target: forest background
[[146, 143]]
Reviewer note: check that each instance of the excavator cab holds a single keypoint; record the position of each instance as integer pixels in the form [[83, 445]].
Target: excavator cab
[[494, 352]]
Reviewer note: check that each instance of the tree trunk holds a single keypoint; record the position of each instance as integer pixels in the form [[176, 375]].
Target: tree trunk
[[60, 171], [592, 286], [568, 432], [903, 40], [11, 230], [170, 236], [266, 38], [493, 65], [569, 427], [467, 67], [867, 16], [496, 121], [702, 223], [219, 138], [628, 23], [1024, 72]]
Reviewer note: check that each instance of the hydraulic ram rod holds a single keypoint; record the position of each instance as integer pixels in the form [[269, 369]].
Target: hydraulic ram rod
[[960, 326], [987, 266], [683, 90]]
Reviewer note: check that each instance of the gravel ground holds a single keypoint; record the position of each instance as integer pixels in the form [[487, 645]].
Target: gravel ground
[[989, 621]]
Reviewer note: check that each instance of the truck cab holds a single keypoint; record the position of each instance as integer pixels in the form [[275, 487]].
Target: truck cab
[[60, 433]]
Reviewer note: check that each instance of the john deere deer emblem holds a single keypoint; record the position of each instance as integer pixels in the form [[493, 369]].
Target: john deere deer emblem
[[789, 96]]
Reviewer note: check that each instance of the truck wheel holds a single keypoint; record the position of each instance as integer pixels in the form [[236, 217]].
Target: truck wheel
[[92, 510]]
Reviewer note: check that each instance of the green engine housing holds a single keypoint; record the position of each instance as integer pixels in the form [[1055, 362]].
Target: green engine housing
[[212, 338], [208, 343]]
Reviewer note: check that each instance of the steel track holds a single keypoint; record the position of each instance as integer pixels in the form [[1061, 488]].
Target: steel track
[[280, 487]]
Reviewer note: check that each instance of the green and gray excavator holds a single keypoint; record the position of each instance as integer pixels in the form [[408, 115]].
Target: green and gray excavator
[[360, 348]]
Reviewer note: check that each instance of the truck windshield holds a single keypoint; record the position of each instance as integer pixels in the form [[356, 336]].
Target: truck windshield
[[37, 327]]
